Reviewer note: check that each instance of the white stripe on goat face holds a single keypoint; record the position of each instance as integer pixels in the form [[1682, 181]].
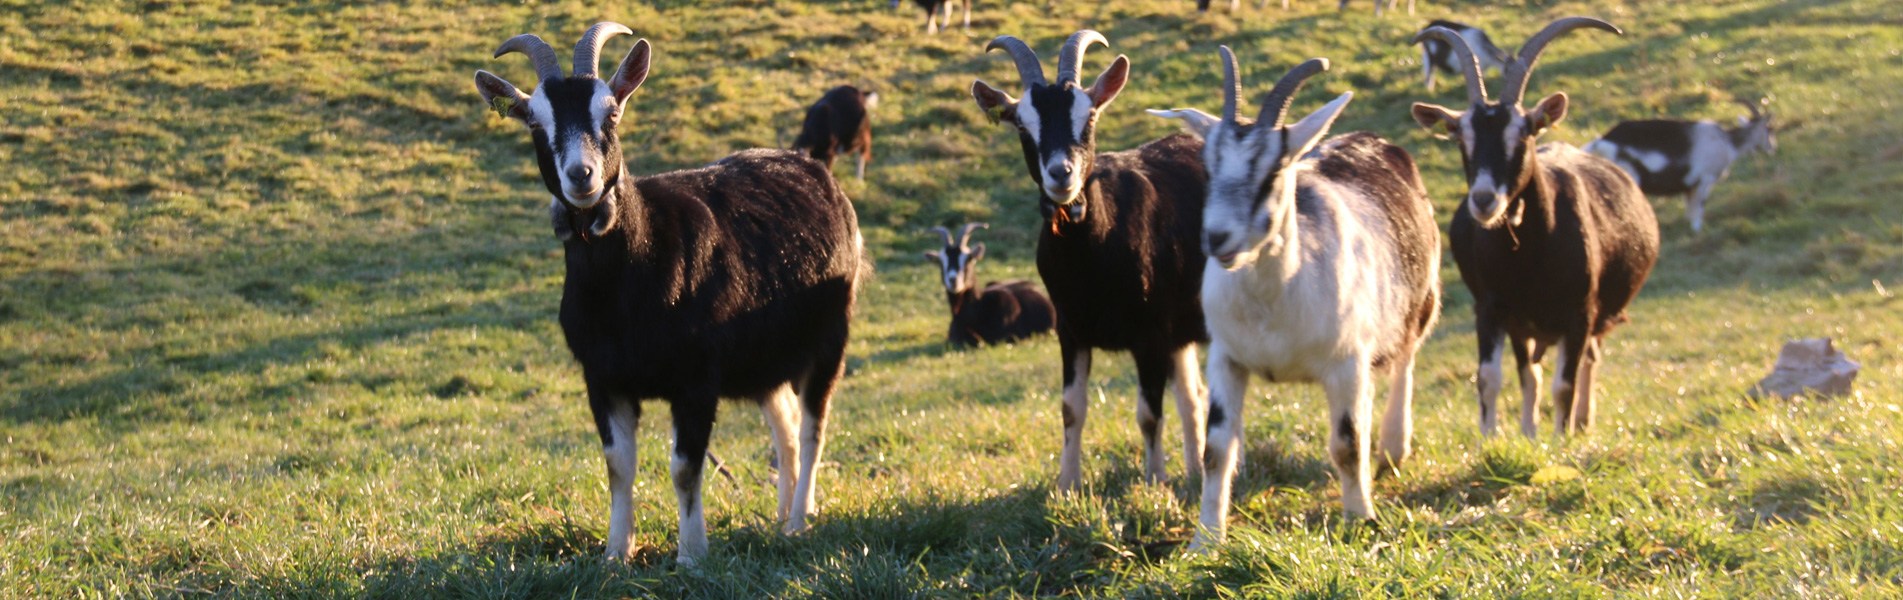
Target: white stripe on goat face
[[1235, 212], [577, 145]]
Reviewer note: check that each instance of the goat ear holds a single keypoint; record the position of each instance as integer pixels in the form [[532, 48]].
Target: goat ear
[[932, 255], [1437, 118], [1196, 121], [977, 252], [871, 100], [996, 104], [1547, 113], [1110, 82], [502, 97], [1304, 134], [633, 71]]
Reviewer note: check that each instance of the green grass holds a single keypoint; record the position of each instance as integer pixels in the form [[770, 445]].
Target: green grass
[[277, 303]]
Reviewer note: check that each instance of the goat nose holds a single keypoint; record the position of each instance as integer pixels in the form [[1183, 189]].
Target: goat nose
[[580, 173], [1216, 240], [1061, 171]]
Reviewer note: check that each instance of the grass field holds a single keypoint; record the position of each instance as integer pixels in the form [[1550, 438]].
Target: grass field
[[277, 302]]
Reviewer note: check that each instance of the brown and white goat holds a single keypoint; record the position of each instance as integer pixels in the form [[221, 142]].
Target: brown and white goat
[[998, 312], [839, 123], [1118, 250], [1554, 243], [733, 280], [1323, 267], [1669, 156]]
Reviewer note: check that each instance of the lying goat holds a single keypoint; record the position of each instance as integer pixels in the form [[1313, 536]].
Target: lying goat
[[839, 123], [1554, 243], [1685, 157], [1323, 267], [730, 280], [999, 312], [1118, 247]]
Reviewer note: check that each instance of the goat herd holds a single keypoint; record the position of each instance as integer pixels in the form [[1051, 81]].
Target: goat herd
[[1291, 254]]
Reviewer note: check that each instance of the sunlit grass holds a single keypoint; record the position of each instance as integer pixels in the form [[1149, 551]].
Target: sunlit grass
[[277, 303]]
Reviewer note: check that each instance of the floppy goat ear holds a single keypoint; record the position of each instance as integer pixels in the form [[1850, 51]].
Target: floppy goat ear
[[1196, 121], [1437, 118], [1306, 133], [502, 96], [1547, 113], [996, 104], [933, 255], [977, 252], [633, 71]]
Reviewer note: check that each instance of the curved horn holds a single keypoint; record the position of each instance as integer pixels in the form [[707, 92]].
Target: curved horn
[[588, 50], [1029, 69], [539, 53], [1470, 66], [1231, 84], [964, 237], [1071, 57], [1275, 106], [944, 232], [1753, 107], [1521, 67]]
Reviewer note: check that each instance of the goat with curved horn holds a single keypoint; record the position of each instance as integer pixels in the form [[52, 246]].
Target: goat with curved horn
[[1521, 67], [1231, 84], [964, 237], [546, 65], [1029, 69], [1071, 57], [1275, 106], [588, 49], [1469, 63], [1290, 215], [1550, 237], [942, 231]]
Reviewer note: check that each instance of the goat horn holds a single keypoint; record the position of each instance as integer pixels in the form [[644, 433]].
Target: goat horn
[[1753, 107], [539, 53], [588, 50], [1470, 66], [1029, 69], [944, 232], [1521, 68], [1275, 107], [964, 238], [1231, 85], [1071, 57]]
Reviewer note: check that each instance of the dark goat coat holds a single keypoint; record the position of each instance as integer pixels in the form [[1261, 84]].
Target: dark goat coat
[[1584, 245], [1000, 312], [836, 124], [1128, 276], [722, 281]]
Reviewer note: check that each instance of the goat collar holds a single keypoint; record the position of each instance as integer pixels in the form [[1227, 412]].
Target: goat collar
[[566, 218], [1066, 213]]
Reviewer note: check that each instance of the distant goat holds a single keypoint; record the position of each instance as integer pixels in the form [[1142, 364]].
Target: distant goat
[[839, 123], [1323, 267], [932, 8], [1437, 55], [1118, 251], [1554, 243], [731, 280], [1685, 157], [999, 312]]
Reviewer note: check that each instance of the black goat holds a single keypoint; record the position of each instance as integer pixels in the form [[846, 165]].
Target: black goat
[[999, 312], [1437, 55], [731, 280], [1554, 243], [933, 7], [839, 123], [1118, 252], [1669, 156]]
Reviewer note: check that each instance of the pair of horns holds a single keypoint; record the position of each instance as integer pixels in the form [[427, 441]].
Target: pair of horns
[[1069, 59], [1520, 67], [1275, 106], [964, 237], [587, 51]]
